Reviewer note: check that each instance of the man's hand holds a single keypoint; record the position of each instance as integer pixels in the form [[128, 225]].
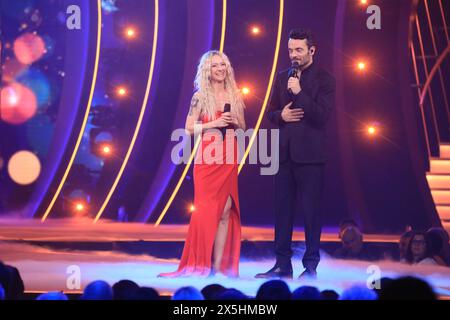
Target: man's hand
[[292, 115], [294, 85]]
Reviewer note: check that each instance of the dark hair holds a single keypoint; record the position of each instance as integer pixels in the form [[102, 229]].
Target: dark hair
[[407, 288], [407, 234], [306, 293], [211, 291], [346, 223], [274, 290], [302, 34], [231, 294], [125, 289]]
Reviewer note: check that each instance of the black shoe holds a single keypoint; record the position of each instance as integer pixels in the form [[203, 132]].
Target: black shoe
[[308, 275], [276, 272]]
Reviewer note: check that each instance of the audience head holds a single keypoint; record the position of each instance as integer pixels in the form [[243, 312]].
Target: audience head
[[145, 293], [274, 290], [329, 295], [306, 293], [438, 240], [52, 296], [97, 290], [352, 239], [345, 224], [231, 294], [383, 283], [407, 288], [11, 281], [124, 289], [358, 293], [417, 248], [210, 292], [187, 293]]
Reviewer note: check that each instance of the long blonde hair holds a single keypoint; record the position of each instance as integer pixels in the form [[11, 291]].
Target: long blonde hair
[[205, 90]]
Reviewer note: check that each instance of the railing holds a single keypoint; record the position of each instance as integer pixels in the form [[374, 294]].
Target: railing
[[429, 46]]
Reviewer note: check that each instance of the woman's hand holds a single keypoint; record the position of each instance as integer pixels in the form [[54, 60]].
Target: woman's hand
[[224, 121]]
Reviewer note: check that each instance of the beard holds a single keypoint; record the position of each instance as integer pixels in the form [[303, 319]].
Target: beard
[[302, 62]]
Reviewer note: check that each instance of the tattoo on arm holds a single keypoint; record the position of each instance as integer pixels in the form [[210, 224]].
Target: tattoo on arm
[[194, 103]]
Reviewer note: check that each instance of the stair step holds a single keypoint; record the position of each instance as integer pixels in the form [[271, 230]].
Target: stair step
[[441, 197], [439, 166], [444, 212], [444, 151], [446, 225], [439, 181]]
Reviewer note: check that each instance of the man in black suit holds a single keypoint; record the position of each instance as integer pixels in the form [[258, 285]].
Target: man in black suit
[[301, 101]]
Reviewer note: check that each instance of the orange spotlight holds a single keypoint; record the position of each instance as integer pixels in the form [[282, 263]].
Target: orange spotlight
[[245, 91], [79, 207], [191, 208], [255, 30], [121, 91], [361, 66], [130, 33], [363, 1], [371, 130], [106, 150]]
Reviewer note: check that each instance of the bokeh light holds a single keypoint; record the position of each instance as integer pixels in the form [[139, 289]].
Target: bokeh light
[[361, 65], [11, 69], [18, 104], [24, 167], [255, 30], [79, 206], [29, 48], [39, 84], [130, 33], [106, 149], [371, 130], [245, 91], [122, 92]]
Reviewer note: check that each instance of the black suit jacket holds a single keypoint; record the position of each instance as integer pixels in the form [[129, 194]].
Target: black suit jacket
[[304, 141]]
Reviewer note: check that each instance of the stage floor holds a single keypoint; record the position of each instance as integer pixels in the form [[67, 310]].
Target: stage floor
[[43, 269], [46, 268], [83, 230]]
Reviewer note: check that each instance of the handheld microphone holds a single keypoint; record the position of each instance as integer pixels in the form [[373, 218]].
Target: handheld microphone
[[226, 108], [293, 73]]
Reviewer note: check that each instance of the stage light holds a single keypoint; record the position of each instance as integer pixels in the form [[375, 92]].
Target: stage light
[[130, 33], [79, 207], [363, 1], [255, 30], [361, 66], [372, 130], [122, 91], [106, 150], [191, 208], [245, 91]]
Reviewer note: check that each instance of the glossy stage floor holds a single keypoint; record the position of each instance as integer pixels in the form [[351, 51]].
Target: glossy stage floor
[[44, 253]]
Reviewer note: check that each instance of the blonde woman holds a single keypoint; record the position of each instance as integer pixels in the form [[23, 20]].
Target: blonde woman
[[214, 236]]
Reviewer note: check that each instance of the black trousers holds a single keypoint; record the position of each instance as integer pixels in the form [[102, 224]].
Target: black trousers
[[295, 182]]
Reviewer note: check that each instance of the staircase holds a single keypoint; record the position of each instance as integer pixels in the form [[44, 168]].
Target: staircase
[[439, 182]]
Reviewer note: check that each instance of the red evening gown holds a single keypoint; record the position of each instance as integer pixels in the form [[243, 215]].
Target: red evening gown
[[213, 184]]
